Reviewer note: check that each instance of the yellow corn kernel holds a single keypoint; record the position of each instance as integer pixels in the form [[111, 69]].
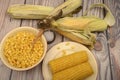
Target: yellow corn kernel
[[78, 72], [17, 49], [67, 61]]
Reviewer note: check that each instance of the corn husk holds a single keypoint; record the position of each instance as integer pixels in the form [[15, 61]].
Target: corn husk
[[40, 12], [109, 18], [29, 11], [87, 39], [67, 7], [81, 23]]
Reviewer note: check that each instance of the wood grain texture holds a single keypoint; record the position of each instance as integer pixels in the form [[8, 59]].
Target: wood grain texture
[[103, 59], [3, 7], [102, 54], [107, 48], [114, 38], [7, 25]]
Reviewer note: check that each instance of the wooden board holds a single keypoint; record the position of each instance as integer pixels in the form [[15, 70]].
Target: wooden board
[[114, 38], [101, 47], [107, 48]]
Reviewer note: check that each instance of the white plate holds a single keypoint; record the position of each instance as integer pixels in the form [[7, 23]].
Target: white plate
[[65, 48]]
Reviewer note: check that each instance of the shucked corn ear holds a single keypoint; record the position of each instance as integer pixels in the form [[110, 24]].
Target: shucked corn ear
[[40, 12], [29, 11], [68, 61], [81, 23], [78, 72]]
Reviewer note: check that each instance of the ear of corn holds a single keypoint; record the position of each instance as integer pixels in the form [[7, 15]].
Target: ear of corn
[[86, 39], [78, 72], [67, 7], [81, 23], [40, 12], [109, 18], [68, 61], [73, 22], [72, 7], [29, 11]]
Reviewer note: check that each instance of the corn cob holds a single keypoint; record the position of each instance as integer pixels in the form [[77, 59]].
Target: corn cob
[[78, 72], [81, 23], [68, 61], [72, 7], [78, 37], [67, 7], [40, 12], [29, 11], [109, 18]]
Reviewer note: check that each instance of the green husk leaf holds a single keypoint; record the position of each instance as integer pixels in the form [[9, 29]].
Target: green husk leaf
[[70, 30], [75, 23], [40, 12], [81, 23], [98, 25], [27, 11], [86, 34], [75, 32], [74, 7], [66, 7], [109, 18], [73, 37]]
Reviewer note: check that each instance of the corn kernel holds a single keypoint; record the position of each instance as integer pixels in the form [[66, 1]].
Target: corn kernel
[[17, 49]]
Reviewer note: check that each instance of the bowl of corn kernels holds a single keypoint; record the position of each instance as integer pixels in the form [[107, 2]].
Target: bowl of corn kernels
[[17, 52]]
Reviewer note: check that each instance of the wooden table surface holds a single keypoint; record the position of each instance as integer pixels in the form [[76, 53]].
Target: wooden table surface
[[107, 47]]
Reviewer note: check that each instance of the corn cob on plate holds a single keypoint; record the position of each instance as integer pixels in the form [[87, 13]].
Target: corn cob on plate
[[66, 48]]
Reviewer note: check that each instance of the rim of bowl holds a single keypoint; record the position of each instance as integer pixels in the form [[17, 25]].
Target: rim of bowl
[[14, 31]]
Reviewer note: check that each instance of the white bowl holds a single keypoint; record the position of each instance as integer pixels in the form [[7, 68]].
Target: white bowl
[[33, 30]]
